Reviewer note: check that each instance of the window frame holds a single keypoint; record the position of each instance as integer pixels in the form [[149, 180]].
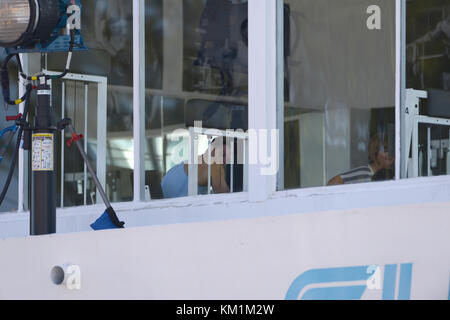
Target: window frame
[[400, 36], [264, 113]]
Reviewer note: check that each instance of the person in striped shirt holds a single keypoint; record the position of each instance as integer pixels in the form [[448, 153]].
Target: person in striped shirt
[[379, 160]]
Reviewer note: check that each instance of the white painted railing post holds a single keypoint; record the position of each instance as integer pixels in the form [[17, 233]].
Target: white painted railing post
[[262, 91], [139, 99], [400, 81]]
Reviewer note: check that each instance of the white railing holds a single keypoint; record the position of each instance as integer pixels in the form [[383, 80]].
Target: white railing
[[102, 84], [230, 135]]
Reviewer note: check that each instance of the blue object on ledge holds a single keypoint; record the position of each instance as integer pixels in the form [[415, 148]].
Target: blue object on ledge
[[103, 223]]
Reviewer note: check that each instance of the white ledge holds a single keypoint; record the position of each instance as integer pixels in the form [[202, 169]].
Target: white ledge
[[237, 206]]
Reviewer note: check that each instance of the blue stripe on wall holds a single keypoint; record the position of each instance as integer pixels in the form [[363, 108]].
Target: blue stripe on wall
[[390, 274], [335, 293], [404, 289]]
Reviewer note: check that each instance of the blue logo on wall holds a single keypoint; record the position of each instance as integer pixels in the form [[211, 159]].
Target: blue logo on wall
[[350, 283]]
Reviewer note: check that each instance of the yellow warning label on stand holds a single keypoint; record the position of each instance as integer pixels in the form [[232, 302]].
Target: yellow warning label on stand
[[42, 152]]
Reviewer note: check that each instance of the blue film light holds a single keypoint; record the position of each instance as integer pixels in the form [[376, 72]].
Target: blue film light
[[40, 25]]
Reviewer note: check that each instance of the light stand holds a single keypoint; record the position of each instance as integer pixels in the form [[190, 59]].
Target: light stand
[[42, 26], [43, 194]]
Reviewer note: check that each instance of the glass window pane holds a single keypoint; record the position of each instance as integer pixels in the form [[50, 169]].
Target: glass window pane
[[196, 71], [83, 113], [428, 88], [107, 28], [339, 92]]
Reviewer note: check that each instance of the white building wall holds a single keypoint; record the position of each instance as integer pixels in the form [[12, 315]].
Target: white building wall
[[256, 258]]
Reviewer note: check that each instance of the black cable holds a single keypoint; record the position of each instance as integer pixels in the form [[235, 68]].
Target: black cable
[[5, 82], [66, 69], [16, 151], [72, 40], [19, 63]]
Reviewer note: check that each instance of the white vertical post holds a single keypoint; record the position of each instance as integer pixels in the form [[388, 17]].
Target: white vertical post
[[193, 162], [139, 98], [63, 114], [262, 90], [246, 165], [232, 167], [85, 140], [21, 161], [415, 151], [280, 90], [209, 167], [400, 40], [164, 168], [324, 153]]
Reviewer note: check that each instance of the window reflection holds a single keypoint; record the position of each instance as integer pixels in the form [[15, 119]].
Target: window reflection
[[200, 71], [107, 28], [428, 72], [339, 118], [215, 50]]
